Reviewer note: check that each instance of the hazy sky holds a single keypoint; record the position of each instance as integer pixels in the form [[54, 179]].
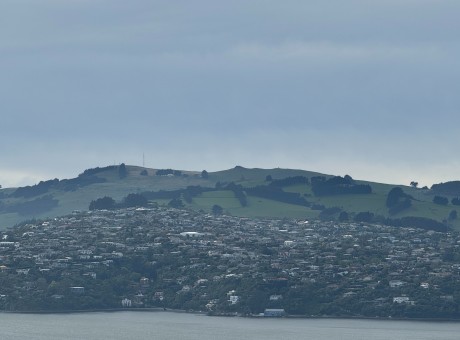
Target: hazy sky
[[361, 87]]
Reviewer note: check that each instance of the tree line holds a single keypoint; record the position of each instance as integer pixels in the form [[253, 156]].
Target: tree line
[[275, 193], [337, 185], [108, 203]]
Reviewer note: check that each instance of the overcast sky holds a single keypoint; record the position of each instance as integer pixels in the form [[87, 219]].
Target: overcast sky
[[361, 87]]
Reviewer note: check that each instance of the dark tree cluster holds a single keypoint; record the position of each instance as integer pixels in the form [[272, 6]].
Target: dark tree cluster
[[448, 188], [135, 200], [204, 174], [166, 172], [104, 203], [441, 200], [86, 178], [178, 173], [108, 203], [418, 222], [94, 171], [66, 185], [192, 191], [35, 207], [176, 203], [239, 193], [79, 182], [338, 186], [289, 181], [317, 206], [217, 210], [398, 201], [455, 201], [364, 216], [404, 222], [196, 190], [187, 197], [188, 193], [328, 214], [277, 194], [162, 194], [344, 216], [35, 190], [122, 171]]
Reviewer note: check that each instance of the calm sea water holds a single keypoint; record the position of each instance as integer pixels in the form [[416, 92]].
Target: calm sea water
[[164, 325]]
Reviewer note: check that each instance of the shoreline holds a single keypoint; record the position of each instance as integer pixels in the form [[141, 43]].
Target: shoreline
[[104, 310], [182, 311]]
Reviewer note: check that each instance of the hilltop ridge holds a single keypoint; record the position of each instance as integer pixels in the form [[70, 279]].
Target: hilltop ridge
[[240, 191]]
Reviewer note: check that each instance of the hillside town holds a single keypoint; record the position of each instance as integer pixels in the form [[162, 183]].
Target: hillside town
[[160, 257]]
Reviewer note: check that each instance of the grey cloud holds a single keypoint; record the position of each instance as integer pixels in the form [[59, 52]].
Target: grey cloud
[[89, 78]]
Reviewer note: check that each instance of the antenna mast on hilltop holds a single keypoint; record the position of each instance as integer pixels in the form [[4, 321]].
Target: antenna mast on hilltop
[[143, 160]]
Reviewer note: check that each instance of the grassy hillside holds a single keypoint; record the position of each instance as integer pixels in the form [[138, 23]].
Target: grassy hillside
[[62, 197]]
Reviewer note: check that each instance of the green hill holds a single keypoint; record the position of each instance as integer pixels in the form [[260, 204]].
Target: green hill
[[239, 191]]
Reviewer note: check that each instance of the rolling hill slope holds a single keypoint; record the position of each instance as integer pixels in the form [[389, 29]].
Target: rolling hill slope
[[238, 191]]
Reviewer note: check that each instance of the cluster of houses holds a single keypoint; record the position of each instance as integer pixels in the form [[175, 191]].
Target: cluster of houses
[[199, 261]]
